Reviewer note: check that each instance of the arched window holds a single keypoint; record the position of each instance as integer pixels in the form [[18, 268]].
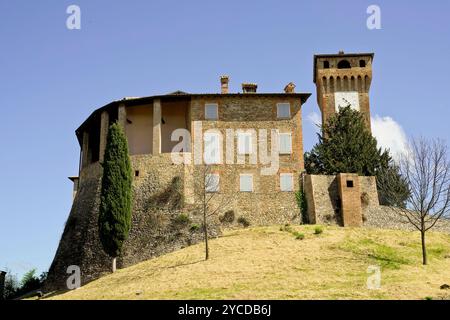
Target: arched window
[[362, 63], [344, 64], [326, 64]]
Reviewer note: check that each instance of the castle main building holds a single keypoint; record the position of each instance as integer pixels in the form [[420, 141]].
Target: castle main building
[[236, 131], [251, 142]]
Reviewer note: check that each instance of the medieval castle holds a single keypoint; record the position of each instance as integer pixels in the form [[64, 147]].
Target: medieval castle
[[253, 143]]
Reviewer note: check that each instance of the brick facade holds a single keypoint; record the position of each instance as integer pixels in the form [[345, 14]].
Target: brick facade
[[329, 79]]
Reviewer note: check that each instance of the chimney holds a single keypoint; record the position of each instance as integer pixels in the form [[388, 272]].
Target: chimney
[[224, 84], [249, 87], [290, 88]]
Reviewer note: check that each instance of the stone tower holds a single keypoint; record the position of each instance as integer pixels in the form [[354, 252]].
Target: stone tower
[[343, 79]]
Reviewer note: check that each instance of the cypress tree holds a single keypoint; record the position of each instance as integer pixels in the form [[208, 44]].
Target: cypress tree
[[114, 219]]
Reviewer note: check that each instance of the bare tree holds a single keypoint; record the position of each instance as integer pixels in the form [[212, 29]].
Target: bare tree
[[426, 170], [210, 200]]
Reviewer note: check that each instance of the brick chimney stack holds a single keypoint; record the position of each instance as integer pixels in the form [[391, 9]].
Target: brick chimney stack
[[249, 87], [290, 88], [224, 84]]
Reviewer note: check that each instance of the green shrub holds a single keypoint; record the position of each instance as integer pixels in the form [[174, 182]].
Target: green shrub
[[318, 230], [298, 235], [228, 217], [194, 227], [287, 228], [302, 205], [243, 221], [182, 219]]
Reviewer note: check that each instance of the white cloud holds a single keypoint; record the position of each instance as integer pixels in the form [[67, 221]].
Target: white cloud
[[387, 131], [315, 119], [390, 135]]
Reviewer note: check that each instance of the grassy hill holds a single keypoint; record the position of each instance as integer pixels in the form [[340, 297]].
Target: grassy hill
[[270, 263]]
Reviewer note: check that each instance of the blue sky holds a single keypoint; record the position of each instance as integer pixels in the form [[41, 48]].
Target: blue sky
[[52, 78]]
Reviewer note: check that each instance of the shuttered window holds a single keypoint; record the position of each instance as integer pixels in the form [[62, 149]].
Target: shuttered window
[[245, 143], [212, 148], [212, 182], [286, 182], [246, 182], [211, 111], [285, 143], [283, 110]]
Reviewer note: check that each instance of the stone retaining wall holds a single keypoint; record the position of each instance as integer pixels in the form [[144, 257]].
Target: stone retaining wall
[[155, 230], [384, 217]]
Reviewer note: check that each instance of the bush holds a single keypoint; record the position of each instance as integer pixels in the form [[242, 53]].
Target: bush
[[298, 235], [183, 219], [318, 230], [244, 222], [302, 205], [30, 282], [287, 227], [194, 227], [228, 217]]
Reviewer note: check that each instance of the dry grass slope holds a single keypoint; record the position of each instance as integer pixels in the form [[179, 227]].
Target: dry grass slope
[[270, 263]]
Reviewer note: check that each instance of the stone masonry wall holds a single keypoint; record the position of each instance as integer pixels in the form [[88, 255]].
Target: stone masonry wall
[[324, 203], [155, 230], [388, 218], [266, 204]]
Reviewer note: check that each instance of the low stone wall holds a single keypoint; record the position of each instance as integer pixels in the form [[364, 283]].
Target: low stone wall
[[322, 197], [324, 203], [384, 217]]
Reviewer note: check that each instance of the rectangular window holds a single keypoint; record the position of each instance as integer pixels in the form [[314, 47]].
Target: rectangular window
[[212, 182], [283, 110], [246, 182], [212, 147], [211, 111], [285, 143], [286, 182], [245, 143]]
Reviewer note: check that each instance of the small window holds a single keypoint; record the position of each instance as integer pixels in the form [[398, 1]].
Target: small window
[[344, 64], [362, 63], [326, 64], [246, 182], [286, 182], [212, 182], [283, 110], [136, 173], [211, 111], [285, 143], [349, 183], [212, 147], [245, 143]]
